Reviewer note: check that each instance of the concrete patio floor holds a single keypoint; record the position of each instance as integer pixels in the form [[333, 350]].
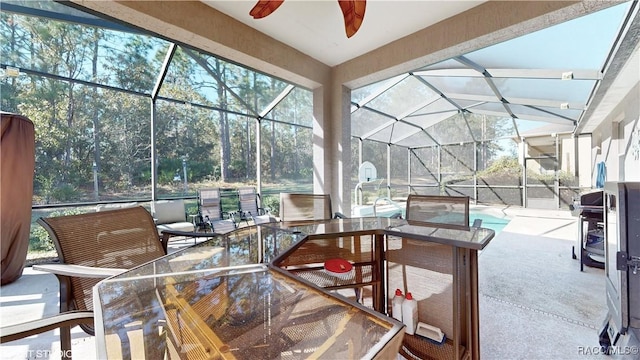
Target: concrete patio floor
[[534, 301]]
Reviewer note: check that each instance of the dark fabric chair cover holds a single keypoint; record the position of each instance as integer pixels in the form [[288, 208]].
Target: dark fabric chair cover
[[17, 148]]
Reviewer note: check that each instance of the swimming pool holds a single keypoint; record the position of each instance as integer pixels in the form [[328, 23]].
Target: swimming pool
[[489, 221]]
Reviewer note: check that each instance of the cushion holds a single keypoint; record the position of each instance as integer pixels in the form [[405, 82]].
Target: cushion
[[104, 207], [263, 219], [168, 211], [223, 226], [178, 226]]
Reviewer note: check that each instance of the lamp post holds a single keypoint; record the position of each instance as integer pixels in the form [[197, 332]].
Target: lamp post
[[184, 172], [95, 181]]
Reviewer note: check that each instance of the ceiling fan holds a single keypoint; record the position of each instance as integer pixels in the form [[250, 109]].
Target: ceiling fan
[[352, 11]]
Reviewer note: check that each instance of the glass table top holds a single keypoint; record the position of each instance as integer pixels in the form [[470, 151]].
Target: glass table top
[[222, 298], [245, 246], [471, 238], [240, 312], [342, 226]]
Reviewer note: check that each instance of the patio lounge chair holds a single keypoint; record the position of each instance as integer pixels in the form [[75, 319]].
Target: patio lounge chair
[[210, 214], [248, 204], [263, 219], [94, 246]]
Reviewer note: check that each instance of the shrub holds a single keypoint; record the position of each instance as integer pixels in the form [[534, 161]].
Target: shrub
[[271, 203], [503, 165], [39, 237], [39, 240], [504, 171], [65, 193]]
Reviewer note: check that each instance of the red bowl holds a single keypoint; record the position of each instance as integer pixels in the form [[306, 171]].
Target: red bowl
[[338, 267]]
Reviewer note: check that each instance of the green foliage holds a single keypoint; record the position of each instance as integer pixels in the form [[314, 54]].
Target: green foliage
[[191, 209], [505, 170], [45, 186], [237, 169], [65, 193], [52, 192], [229, 204], [39, 238], [565, 178], [168, 170], [77, 124], [199, 170], [271, 203], [503, 165]]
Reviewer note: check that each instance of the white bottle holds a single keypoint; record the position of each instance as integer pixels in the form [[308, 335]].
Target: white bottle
[[396, 307], [410, 313]]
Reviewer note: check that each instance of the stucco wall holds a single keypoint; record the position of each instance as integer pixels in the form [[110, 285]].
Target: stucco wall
[[614, 140]]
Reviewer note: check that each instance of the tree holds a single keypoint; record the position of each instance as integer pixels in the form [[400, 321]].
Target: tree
[[203, 104]]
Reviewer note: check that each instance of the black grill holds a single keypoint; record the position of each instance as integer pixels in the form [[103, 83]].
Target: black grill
[[590, 206], [590, 211]]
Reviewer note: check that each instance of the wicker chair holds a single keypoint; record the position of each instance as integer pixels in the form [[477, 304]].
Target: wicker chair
[[19, 331], [94, 246]]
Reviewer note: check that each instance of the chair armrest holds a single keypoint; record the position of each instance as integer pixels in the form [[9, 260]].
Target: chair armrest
[[166, 234], [339, 215], [22, 330], [196, 219], [170, 233], [78, 270]]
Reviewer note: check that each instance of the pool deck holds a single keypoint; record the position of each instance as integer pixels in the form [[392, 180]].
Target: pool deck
[[534, 301]]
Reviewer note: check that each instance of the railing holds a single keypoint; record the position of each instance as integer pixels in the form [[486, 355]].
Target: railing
[[497, 194]]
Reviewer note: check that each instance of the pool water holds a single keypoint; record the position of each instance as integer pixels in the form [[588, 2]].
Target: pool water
[[489, 221], [495, 223]]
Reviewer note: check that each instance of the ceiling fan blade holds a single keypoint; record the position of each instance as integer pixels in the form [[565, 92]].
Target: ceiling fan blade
[[264, 8], [353, 11]]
